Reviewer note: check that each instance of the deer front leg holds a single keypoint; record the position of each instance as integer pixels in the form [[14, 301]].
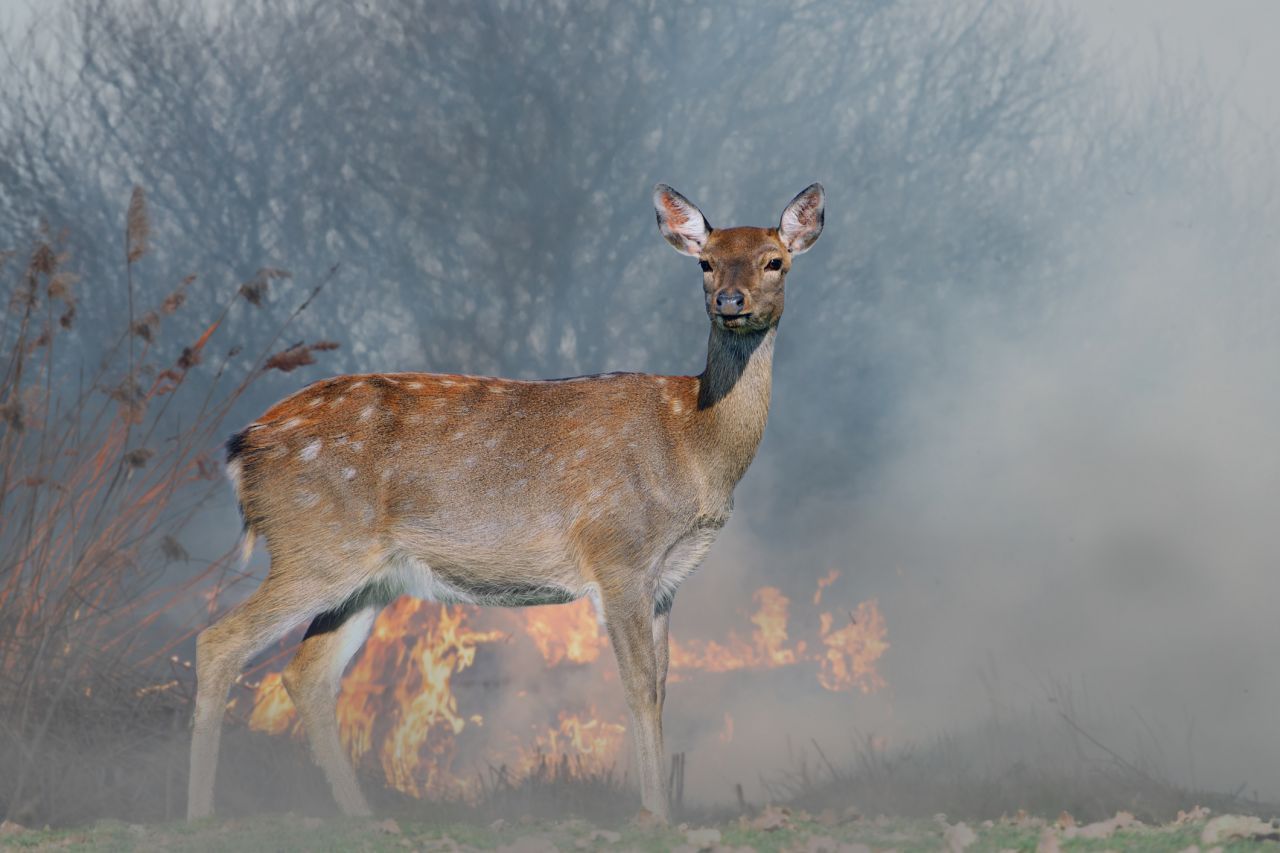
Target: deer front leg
[[662, 657], [631, 627]]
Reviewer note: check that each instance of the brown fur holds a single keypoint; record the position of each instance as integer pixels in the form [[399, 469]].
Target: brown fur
[[496, 491]]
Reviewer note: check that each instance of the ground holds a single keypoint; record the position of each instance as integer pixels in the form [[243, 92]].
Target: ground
[[772, 829]]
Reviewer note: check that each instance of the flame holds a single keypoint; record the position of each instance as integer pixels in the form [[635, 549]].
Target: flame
[[852, 651], [767, 648], [823, 582], [568, 632], [398, 709], [272, 709], [590, 745], [398, 693]]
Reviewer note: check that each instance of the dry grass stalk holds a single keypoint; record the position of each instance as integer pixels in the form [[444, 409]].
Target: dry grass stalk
[[92, 507]]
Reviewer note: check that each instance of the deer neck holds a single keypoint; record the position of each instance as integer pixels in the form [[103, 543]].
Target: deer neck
[[733, 403]]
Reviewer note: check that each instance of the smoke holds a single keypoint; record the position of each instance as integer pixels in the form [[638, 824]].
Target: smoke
[[1085, 503], [1024, 391]]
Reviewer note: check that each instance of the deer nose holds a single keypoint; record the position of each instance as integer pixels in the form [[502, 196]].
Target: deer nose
[[730, 302]]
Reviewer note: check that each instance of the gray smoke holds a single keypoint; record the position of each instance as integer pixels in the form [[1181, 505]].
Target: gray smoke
[[1024, 391]]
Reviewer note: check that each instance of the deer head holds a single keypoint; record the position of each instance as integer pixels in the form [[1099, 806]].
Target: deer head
[[744, 270]]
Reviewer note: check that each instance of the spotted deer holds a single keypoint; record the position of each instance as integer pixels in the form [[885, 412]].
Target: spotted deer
[[475, 490]]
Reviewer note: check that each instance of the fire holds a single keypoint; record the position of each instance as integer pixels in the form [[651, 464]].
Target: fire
[[767, 648], [398, 695], [272, 709], [592, 744], [852, 651], [568, 632], [425, 704], [823, 582], [398, 708]]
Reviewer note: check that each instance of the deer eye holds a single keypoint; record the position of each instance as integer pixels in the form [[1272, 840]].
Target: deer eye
[[706, 266], [775, 264]]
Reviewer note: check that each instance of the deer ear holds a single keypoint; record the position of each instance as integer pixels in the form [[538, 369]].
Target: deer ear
[[802, 220], [680, 221]]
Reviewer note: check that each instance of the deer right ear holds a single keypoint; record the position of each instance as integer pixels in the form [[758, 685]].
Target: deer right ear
[[680, 221]]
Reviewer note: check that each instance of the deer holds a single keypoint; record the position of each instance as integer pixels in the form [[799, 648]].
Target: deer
[[487, 491]]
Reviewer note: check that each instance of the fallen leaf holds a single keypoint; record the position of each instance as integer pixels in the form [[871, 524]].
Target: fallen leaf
[[1065, 820], [958, 837], [770, 819], [1048, 842], [1103, 828], [646, 819], [703, 839], [1197, 814], [1231, 826], [1022, 820]]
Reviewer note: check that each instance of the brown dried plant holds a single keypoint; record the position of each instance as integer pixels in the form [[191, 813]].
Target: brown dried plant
[[100, 471]]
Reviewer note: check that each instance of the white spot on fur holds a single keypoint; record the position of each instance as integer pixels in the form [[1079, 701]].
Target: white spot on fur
[[311, 451], [356, 384], [447, 383], [291, 423], [677, 407], [497, 389], [357, 446], [366, 413], [337, 401], [307, 500], [315, 401], [348, 473], [414, 385]]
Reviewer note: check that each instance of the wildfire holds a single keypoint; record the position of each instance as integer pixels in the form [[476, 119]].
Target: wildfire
[[823, 582], [594, 744], [398, 707], [569, 632], [850, 656]]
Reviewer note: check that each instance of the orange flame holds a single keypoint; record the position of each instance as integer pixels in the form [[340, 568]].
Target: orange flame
[[568, 632], [592, 744], [852, 651], [823, 582], [397, 704]]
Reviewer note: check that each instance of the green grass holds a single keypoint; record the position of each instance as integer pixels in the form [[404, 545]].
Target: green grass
[[287, 832]]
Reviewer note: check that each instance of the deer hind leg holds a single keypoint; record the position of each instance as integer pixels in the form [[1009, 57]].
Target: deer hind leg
[[313, 679], [631, 631], [283, 601]]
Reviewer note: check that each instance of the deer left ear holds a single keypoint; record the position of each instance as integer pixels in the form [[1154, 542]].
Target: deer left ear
[[802, 220]]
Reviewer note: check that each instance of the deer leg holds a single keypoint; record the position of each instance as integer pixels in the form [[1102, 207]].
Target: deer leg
[[631, 631], [662, 657], [222, 650], [313, 679]]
